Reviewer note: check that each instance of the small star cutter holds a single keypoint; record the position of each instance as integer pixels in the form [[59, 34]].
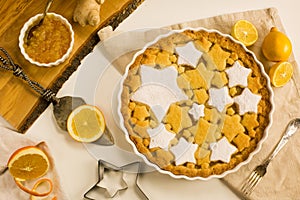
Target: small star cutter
[[105, 167]]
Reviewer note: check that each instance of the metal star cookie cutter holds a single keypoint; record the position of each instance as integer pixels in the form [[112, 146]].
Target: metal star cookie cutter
[[110, 191]]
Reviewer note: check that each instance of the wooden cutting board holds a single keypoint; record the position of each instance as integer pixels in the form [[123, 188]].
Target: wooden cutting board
[[19, 104]]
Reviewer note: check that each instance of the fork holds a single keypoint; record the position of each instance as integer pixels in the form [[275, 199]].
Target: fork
[[259, 172]]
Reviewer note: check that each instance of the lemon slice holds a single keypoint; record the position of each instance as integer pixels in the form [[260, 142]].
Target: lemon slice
[[245, 32], [280, 73], [86, 123], [28, 163]]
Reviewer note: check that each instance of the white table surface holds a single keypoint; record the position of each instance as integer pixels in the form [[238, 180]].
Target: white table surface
[[78, 168]]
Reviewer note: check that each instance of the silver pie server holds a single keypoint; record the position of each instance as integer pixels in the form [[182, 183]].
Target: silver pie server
[[62, 107]]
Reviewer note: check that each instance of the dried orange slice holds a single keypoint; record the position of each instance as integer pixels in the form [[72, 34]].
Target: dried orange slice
[[245, 32], [280, 73], [28, 163], [86, 123]]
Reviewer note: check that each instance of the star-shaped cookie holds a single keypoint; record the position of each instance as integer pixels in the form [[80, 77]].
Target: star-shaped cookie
[[160, 137], [197, 111], [219, 98], [222, 150], [238, 75], [247, 101], [156, 82], [184, 152], [188, 55]]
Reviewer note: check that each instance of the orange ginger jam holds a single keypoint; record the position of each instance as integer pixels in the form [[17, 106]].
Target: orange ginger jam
[[50, 41]]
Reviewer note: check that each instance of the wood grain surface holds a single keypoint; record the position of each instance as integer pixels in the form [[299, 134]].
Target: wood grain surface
[[19, 104]]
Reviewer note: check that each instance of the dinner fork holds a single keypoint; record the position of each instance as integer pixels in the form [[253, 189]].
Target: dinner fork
[[258, 173]]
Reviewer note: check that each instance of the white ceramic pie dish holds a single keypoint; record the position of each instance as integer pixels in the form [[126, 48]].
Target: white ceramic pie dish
[[32, 21], [259, 144]]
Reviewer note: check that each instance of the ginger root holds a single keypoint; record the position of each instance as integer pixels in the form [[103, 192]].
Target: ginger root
[[87, 12]]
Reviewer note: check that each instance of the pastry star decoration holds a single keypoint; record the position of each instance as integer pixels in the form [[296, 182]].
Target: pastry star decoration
[[156, 82], [219, 98], [238, 75], [188, 55], [247, 101], [160, 137], [184, 152], [222, 150], [197, 111]]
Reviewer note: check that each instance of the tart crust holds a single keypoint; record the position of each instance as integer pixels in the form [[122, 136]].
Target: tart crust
[[242, 131]]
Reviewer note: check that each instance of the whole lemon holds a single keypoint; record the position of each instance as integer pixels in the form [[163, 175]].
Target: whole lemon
[[276, 46]]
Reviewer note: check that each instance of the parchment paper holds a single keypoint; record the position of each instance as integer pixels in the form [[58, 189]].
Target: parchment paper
[[11, 141]]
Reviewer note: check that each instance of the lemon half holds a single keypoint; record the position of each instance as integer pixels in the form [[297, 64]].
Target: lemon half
[[280, 73], [86, 123], [245, 32]]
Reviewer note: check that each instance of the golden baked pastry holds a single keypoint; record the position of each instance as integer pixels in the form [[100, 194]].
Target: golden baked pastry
[[199, 103]]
